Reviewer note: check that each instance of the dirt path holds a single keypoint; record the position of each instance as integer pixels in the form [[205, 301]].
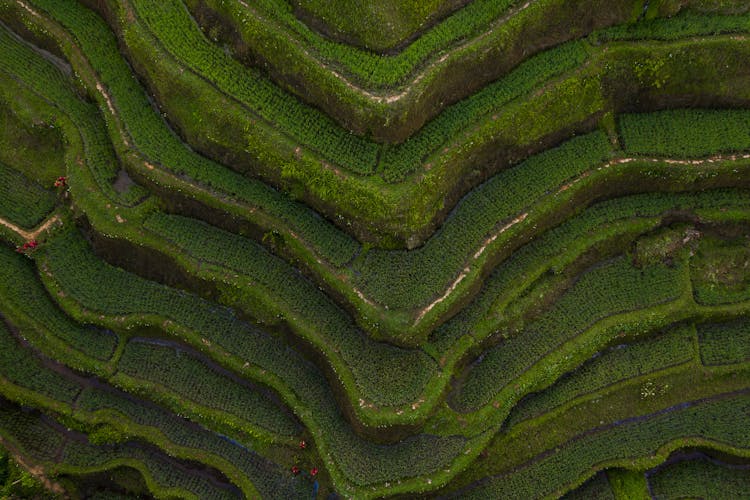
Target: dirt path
[[35, 470], [390, 98], [30, 235], [451, 288]]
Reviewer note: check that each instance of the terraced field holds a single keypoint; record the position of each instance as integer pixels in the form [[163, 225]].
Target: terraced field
[[350, 249]]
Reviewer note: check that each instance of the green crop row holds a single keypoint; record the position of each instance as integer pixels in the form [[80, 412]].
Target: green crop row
[[97, 404], [524, 445], [441, 447], [684, 24], [384, 374], [686, 133], [211, 247], [644, 438], [23, 201], [386, 275], [725, 343], [33, 435], [161, 143], [267, 477], [621, 362], [175, 74], [596, 488], [42, 439], [377, 27], [354, 85], [305, 124], [190, 379], [299, 383], [699, 477], [552, 250], [628, 403], [389, 372], [392, 97], [22, 291], [33, 147], [285, 32], [473, 147], [161, 147], [616, 287], [401, 279], [398, 161], [55, 337], [164, 475], [21, 368]]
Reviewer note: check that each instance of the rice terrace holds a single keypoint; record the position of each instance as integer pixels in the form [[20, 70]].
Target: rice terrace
[[452, 249]]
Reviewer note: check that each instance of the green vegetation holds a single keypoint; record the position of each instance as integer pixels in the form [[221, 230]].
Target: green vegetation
[[686, 133], [22, 201], [44, 440], [725, 343], [377, 27], [699, 477], [612, 289], [274, 249], [35, 149], [618, 363]]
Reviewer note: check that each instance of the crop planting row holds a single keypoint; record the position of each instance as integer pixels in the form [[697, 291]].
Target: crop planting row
[[643, 438], [393, 169], [208, 110], [725, 343], [540, 289], [42, 439], [52, 386], [380, 272], [394, 95], [252, 351], [23, 201], [700, 477], [614, 288], [674, 347]]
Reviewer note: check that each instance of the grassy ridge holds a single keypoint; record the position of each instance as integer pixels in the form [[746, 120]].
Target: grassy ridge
[[365, 315], [43, 440], [110, 414], [699, 477], [248, 351], [293, 165], [614, 288], [644, 438], [23, 201], [354, 85]]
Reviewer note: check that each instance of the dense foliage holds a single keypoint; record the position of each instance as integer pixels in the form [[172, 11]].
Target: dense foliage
[[271, 249]]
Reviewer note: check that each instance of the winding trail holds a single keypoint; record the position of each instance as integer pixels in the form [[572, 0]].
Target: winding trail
[[385, 97], [31, 235]]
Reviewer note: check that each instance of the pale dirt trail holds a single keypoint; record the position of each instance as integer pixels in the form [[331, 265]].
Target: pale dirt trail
[[390, 98], [30, 235]]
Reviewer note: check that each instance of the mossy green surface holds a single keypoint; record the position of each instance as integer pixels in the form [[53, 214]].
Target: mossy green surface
[[530, 280]]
